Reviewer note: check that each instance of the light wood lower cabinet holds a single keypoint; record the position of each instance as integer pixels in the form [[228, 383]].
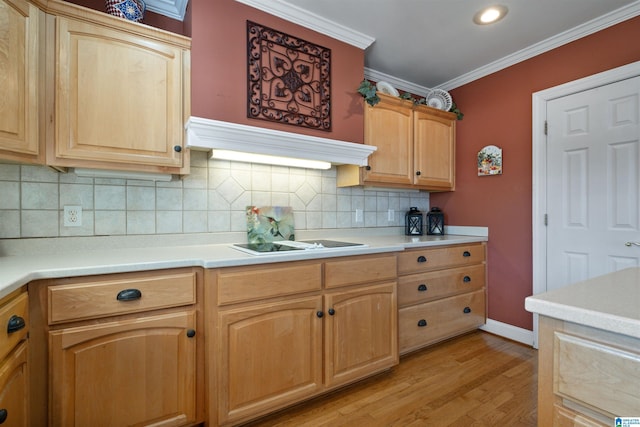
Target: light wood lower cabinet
[[123, 349], [441, 293], [286, 348], [128, 372], [270, 356], [14, 373], [586, 376]]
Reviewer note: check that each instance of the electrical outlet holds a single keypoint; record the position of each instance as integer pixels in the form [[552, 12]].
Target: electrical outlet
[[73, 216], [391, 215], [359, 215]]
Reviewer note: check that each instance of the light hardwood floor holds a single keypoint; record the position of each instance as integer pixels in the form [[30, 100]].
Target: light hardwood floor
[[478, 379]]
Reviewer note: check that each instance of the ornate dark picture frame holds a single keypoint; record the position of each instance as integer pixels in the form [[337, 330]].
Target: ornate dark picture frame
[[289, 79]]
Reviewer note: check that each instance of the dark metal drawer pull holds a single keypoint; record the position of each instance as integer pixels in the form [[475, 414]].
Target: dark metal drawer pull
[[422, 323], [466, 279], [422, 287], [422, 258], [129, 295], [466, 310], [3, 415], [466, 254], [15, 324]]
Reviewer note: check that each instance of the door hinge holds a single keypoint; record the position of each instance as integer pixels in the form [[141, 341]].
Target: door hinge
[[546, 127], [546, 219]]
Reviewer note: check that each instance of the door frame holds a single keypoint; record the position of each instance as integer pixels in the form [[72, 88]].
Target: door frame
[[539, 164]]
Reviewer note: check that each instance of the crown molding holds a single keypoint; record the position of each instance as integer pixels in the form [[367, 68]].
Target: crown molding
[[620, 15], [207, 134], [172, 8], [297, 15]]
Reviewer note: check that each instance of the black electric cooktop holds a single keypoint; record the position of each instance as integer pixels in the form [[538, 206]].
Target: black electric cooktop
[[288, 246]]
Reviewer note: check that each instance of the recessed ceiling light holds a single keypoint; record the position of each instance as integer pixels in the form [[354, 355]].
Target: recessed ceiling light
[[490, 15]]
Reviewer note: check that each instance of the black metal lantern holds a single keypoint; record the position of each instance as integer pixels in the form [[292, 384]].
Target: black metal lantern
[[413, 222], [435, 221]]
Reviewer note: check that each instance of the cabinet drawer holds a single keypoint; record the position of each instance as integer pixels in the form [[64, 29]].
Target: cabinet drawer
[[100, 298], [417, 260], [599, 375], [237, 284], [424, 287], [430, 322], [19, 308], [356, 270]]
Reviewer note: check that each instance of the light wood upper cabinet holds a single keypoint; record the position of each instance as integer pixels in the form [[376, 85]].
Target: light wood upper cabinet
[[121, 96], [21, 84], [434, 148], [416, 147]]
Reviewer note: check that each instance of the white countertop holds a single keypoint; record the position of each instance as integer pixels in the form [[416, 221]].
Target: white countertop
[[17, 270], [610, 302]]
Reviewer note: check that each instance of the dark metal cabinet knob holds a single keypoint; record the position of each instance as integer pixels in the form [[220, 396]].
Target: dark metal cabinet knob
[[368, 167], [422, 323], [418, 173], [422, 287], [191, 333], [15, 324], [177, 148], [319, 314], [331, 312], [129, 295]]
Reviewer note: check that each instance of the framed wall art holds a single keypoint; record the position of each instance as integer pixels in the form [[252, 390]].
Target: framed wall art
[[289, 79], [490, 161]]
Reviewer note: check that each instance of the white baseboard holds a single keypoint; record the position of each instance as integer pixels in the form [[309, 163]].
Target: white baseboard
[[511, 332]]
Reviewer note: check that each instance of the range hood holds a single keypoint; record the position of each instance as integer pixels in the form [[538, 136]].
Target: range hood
[[207, 134]]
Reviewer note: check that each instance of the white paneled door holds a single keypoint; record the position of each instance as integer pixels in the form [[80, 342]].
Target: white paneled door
[[593, 182]]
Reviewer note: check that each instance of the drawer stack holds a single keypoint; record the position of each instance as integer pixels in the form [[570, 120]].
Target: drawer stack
[[441, 293]]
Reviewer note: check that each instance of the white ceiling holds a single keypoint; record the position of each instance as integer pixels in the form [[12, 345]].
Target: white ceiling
[[434, 43]]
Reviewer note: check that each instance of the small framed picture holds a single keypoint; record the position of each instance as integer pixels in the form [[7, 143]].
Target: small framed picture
[[490, 161]]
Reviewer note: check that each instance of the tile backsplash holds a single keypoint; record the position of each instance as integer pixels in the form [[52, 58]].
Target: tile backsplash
[[212, 198]]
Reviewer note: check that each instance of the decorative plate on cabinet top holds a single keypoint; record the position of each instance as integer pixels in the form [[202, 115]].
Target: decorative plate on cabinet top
[[387, 89], [439, 99]]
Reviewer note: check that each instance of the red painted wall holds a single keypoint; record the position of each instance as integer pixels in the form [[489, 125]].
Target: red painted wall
[[498, 111], [219, 69]]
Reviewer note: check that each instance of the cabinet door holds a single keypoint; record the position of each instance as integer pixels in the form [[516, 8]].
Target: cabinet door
[[434, 149], [14, 380], [20, 71], [130, 372], [118, 98], [360, 333], [388, 127], [270, 355]]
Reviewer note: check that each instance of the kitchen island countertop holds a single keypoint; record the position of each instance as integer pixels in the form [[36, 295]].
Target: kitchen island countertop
[[17, 270], [610, 302]]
